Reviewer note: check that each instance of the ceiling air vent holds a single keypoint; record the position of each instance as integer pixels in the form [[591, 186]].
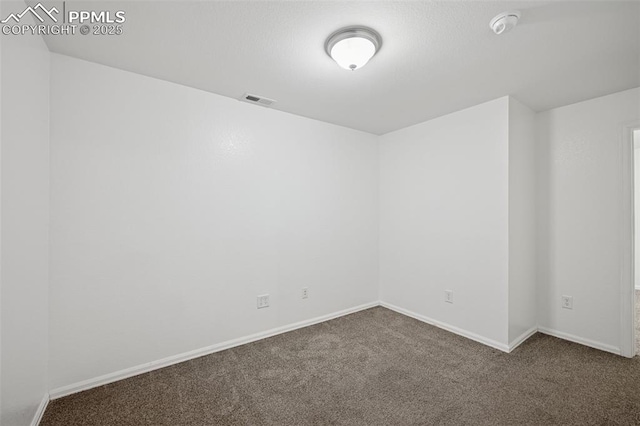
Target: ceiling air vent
[[258, 100]]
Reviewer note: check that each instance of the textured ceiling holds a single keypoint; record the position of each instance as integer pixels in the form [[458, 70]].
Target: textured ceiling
[[436, 58]]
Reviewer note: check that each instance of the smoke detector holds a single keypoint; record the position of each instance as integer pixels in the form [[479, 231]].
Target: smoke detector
[[258, 100], [504, 22]]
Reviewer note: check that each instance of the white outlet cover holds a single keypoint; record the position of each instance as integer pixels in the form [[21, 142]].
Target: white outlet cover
[[567, 302], [448, 296], [263, 301]]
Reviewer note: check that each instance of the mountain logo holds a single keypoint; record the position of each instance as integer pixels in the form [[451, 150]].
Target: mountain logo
[[34, 11]]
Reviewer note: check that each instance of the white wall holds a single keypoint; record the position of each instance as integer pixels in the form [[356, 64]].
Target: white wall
[[24, 217], [173, 208], [636, 162], [444, 197], [522, 220], [579, 247]]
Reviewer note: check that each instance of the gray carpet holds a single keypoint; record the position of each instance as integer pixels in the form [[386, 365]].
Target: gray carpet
[[375, 367]]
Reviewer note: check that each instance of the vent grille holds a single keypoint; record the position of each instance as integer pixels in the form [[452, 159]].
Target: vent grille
[[258, 100]]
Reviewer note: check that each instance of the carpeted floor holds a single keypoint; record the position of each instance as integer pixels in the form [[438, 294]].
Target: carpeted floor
[[638, 322], [375, 367]]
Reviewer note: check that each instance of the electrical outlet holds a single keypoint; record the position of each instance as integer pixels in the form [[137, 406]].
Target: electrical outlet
[[567, 302], [305, 293], [263, 301], [448, 296]]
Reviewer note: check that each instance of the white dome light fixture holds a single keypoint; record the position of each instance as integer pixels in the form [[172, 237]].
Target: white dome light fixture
[[504, 22], [352, 47]]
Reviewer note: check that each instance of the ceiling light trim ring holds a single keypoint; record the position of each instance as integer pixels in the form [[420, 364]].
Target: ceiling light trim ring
[[354, 31]]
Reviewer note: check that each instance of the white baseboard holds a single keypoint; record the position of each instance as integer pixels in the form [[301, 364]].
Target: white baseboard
[[524, 336], [175, 359], [37, 417], [464, 333], [580, 340]]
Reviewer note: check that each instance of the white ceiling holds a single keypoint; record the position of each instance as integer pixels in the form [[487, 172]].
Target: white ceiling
[[436, 57]]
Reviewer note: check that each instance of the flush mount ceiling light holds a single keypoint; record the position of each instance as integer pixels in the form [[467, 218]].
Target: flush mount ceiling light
[[352, 47], [504, 22]]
